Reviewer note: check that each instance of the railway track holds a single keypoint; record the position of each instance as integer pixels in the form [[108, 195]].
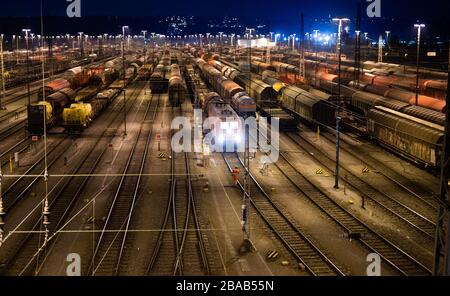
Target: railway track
[[107, 257], [393, 255], [180, 247], [12, 128], [25, 258], [192, 258], [19, 147], [22, 95], [420, 193], [424, 227], [20, 187], [306, 251], [11, 113], [165, 252]]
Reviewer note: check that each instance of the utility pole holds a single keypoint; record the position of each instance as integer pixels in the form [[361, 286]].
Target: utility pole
[[249, 40], [236, 43], [246, 203], [209, 40], [246, 197], [220, 46], [293, 43], [302, 48], [338, 118], [419, 27], [16, 38], [380, 48], [124, 75], [100, 45], [3, 74], [145, 47], [28, 65], [357, 65], [81, 43], [442, 242]]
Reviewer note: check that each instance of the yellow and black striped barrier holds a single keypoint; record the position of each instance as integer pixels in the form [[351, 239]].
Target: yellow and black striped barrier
[[272, 255], [163, 155], [91, 219], [365, 170]]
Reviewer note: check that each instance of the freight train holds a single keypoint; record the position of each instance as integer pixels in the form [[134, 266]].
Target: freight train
[[431, 82], [413, 138], [75, 109], [177, 86], [52, 87], [229, 90], [81, 114], [47, 113], [159, 80], [381, 81], [265, 95], [411, 131], [224, 122]]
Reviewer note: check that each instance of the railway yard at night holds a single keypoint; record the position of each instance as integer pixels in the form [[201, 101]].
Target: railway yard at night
[[245, 154]]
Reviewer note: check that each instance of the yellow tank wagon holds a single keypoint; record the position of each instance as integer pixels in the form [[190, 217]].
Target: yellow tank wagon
[[78, 116]]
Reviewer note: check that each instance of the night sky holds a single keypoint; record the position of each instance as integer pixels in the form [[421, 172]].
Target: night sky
[[282, 15], [263, 8]]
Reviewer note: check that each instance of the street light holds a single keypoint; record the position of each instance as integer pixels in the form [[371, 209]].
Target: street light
[[357, 57], [123, 31], [316, 49], [145, 46], [28, 65], [3, 73], [419, 29], [247, 197], [340, 22], [293, 42], [80, 43], [220, 43], [124, 95]]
